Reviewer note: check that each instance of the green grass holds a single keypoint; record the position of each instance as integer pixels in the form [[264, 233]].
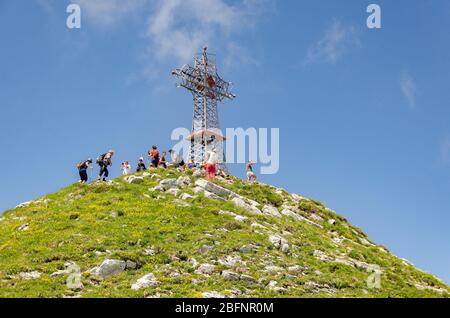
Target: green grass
[[87, 224]]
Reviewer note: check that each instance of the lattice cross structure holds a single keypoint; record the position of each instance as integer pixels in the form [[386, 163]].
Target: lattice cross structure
[[207, 89]]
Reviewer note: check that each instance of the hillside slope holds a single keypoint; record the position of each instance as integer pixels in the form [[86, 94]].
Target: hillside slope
[[168, 234]]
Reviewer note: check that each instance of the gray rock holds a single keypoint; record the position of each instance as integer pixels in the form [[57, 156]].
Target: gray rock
[[134, 179], [157, 188], [206, 269], [214, 188], [213, 196], [239, 202], [271, 210], [168, 183], [298, 217], [23, 227], [131, 265], [186, 196], [296, 268], [30, 275], [250, 248], [183, 181], [277, 241], [332, 221], [108, 268], [205, 249], [230, 275], [212, 294], [198, 190], [173, 191], [230, 261], [273, 286], [285, 248], [273, 269], [146, 281], [321, 256], [316, 288], [247, 278], [24, 204], [198, 173]]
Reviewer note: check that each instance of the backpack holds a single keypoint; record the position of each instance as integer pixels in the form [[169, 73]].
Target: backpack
[[81, 165], [100, 158]]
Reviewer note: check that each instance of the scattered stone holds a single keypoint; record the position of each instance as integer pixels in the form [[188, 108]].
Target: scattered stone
[[273, 269], [258, 226], [198, 190], [247, 278], [146, 281], [205, 269], [273, 286], [168, 183], [237, 217], [277, 241], [322, 256], [296, 268], [231, 261], [316, 217], [212, 294], [213, 196], [332, 221], [131, 265], [299, 217], [149, 252], [30, 275], [108, 268], [271, 210], [134, 179], [230, 275], [239, 202], [428, 287], [246, 249], [214, 188], [186, 196], [205, 249], [285, 248], [173, 191], [365, 242], [24, 204], [316, 288], [297, 198], [23, 227], [157, 188], [183, 181]]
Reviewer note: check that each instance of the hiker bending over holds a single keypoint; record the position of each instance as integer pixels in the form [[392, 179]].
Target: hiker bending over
[[141, 165], [162, 160], [126, 168], [177, 160], [82, 169], [153, 156], [251, 176], [104, 161]]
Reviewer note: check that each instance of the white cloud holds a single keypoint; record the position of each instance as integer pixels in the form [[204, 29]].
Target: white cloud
[[336, 41], [106, 13], [179, 28], [408, 88]]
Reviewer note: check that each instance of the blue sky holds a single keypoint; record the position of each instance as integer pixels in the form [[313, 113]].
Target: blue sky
[[363, 114]]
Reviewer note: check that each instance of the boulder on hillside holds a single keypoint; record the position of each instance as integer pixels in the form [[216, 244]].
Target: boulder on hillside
[[109, 267], [169, 183], [239, 202], [146, 281], [271, 210]]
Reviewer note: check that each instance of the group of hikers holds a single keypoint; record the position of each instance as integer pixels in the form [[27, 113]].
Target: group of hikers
[[158, 160]]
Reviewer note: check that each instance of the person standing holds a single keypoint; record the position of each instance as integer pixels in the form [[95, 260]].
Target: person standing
[[212, 159], [126, 168], [104, 161], [82, 169], [141, 165], [251, 176], [153, 156]]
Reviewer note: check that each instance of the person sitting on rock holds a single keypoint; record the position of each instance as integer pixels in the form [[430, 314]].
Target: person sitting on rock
[[82, 169], [162, 160], [140, 165], [126, 168], [177, 160], [104, 161], [191, 165], [153, 156]]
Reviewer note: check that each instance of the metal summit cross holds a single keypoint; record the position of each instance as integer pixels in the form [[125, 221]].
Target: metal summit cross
[[207, 88]]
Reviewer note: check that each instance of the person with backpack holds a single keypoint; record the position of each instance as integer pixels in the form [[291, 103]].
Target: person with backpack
[[82, 169], [153, 156], [141, 165], [104, 161]]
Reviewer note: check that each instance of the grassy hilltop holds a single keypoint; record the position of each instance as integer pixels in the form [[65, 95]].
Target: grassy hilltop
[[170, 234]]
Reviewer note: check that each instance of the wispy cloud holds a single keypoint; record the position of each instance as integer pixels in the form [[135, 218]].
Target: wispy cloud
[[408, 88], [179, 28], [105, 13], [336, 41]]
